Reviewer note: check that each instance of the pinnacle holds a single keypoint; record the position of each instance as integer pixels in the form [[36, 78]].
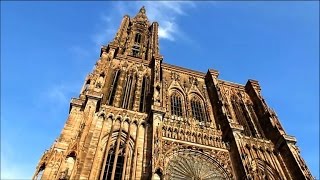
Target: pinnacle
[[141, 16], [142, 10]]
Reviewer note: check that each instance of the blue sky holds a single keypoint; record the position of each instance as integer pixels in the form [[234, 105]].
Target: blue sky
[[47, 49]]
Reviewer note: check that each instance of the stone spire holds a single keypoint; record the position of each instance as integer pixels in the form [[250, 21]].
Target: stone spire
[[141, 16]]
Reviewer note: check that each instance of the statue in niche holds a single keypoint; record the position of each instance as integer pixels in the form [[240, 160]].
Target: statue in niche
[[156, 96], [185, 85], [157, 68], [98, 85], [100, 81]]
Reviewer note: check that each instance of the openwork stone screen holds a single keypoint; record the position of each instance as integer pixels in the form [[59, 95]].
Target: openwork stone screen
[[193, 166]]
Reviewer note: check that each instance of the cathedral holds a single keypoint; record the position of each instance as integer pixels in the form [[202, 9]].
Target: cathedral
[[138, 117]]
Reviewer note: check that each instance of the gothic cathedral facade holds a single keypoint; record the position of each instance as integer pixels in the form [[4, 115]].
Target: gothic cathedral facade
[[139, 118]]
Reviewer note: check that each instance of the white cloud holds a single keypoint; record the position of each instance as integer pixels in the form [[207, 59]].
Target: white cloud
[[60, 94], [167, 30], [165, 13], [107, 31]]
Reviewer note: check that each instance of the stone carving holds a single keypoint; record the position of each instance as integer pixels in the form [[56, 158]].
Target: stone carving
[[121, 133], [156, 95], [193, 81], [175, 76], [64, 175], [190, 167]]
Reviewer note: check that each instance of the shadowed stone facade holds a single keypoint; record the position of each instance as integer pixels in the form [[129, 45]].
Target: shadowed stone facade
[[140, 118]]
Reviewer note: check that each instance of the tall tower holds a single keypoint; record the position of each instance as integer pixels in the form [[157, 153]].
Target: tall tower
[[139, 118]]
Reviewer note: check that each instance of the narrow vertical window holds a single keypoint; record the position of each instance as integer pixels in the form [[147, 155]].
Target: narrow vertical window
[[113, 87], [127, 92], [119, 167], [143, 96], [248, 120], [137, 38], [242, 119], [136, 46], [114, 161], [108, 167], [197, 110], [176, 105], [133, 92], [254, 118]]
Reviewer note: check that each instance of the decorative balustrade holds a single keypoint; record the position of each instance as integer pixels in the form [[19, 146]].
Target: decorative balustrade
[[196, 133]]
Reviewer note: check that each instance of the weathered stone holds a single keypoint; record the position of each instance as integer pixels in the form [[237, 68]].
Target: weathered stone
[[139, 118]]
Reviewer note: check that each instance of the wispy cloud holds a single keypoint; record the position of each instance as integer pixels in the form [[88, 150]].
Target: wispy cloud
[[165, 13], [107, 29], [60, 94]]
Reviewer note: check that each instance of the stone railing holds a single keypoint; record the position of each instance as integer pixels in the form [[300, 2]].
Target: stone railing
[[200, 133]]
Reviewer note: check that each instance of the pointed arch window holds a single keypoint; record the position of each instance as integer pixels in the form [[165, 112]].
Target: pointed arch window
[[255, 118], [197, 109], [126, 92], [176, 104], [118, 157], [248, 120], [136, 46], [133, 92], [113, 86], [137, 38], [113, 163], [241, 114], [109, 165], [144, 93]]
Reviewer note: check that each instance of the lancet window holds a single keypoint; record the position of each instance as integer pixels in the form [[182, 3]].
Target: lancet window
[[136, 46], [243, 117], [113, 163], [176, 104], [137, 38], [133, 92], [113, 87], [128, 91], [197, 109], [144, 94], [117, 156], [254, 118]]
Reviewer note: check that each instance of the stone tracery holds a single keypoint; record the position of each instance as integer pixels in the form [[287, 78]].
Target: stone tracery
[[193, 165], [211, 129]]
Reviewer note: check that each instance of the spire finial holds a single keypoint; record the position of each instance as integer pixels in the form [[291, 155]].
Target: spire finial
[[142, 10], [141, 16]]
